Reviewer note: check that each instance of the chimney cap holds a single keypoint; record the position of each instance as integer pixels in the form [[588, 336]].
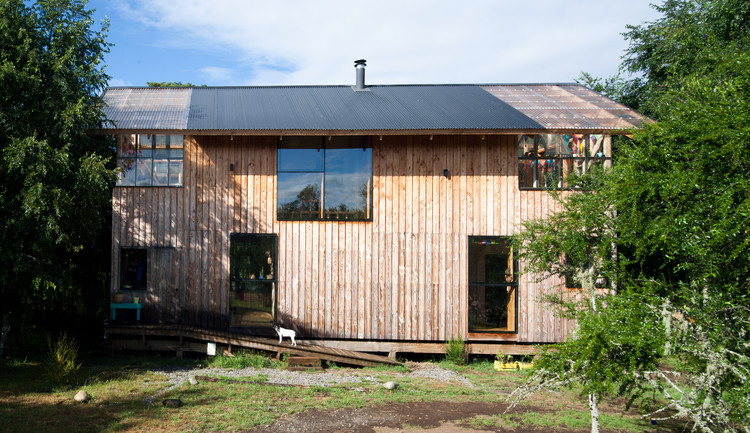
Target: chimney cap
[[360, 62]]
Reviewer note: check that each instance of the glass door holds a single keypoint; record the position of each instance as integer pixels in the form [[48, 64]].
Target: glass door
[[252, 291]]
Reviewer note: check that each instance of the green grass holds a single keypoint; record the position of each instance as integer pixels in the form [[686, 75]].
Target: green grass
[[119, 387], [244, 359]]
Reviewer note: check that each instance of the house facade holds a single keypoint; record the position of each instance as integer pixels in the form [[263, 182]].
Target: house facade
[[348, 213]]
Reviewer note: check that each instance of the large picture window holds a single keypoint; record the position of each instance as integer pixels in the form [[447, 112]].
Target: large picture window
[[149, 159], [493, 285], [323, 178], [547, 160]]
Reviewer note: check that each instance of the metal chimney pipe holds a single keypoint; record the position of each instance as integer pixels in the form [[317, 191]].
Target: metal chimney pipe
[[359, 65]]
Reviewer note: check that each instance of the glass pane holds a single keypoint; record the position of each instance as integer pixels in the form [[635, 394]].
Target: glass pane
[[134, 268], [548, 172], [550, 145], [300, 159], [176, 141], [491, 261], [491, 308], [526, 171], [160, 146], [160, 172], [251, 303], [145, 146], [576, 145], [299, 195], [526, 145], [126, 145], [253, 257], [348, 184], [143, 172], [175, 173], [126, 174]]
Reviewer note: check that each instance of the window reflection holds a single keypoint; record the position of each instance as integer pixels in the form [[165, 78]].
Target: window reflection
[[150, 159], [324, 179], [548, 160]]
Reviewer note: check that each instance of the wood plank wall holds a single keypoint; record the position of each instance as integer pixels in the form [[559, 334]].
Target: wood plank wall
[[402, 276]]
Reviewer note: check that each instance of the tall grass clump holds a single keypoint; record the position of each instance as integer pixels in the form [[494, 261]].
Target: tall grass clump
[[455, 351], [244, 359], [63, 359]]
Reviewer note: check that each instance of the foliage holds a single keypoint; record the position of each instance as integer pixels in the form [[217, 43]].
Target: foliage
[[55, 175], [63, 359], [667, 226], [172, 84], [455, 351]]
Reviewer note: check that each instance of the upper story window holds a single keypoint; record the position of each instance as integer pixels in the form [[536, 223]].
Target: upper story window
[[149, 159], [547, 160], [321, 178]]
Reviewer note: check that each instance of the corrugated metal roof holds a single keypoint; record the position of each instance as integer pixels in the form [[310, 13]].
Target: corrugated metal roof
[[147, 108], [567, 106], [378, 108], [341, 108]]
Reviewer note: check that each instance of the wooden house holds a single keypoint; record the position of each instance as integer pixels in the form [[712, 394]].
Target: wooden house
[[354, 214]]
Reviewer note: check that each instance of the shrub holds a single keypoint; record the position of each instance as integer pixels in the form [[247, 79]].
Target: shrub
[[63, 360], [455, 351]]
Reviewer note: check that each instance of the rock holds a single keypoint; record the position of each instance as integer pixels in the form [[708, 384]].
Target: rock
[[390, 385], [192, 380], [172, 402], [82, 397]]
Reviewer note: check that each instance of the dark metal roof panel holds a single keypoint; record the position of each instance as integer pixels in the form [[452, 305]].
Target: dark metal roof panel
[[428, 107]]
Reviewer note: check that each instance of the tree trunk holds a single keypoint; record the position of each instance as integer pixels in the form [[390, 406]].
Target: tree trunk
[[594, 408]]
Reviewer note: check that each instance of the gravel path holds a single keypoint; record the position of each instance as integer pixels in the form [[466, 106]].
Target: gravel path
[[177, 377]]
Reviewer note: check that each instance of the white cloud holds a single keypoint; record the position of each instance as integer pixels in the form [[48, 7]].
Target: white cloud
[[218, 74], [419, 41], [116, 82]]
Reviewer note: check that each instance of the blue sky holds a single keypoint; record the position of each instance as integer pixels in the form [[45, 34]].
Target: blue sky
[[293, 42]]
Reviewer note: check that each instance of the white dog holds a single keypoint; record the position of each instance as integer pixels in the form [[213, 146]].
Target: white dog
[[283, 332]]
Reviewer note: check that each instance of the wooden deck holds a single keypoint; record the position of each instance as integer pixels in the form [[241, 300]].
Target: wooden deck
[[180, 339]]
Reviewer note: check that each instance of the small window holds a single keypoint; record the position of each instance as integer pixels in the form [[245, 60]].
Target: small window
[[324, 179], [548, 160], [150, 159], [493, 285], [134, 269]]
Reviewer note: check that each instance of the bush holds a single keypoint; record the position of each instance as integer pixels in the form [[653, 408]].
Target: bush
[[455, 351], [63, 360]]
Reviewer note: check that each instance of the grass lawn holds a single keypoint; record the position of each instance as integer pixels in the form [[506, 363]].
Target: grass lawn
[[121, 386]]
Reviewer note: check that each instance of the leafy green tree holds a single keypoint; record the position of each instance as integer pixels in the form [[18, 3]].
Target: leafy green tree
[[55, 176], [670, 229], [171, 84]]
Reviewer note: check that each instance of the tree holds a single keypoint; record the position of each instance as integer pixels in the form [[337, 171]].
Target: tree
[[672, 229], [55, 176], [172, 84]]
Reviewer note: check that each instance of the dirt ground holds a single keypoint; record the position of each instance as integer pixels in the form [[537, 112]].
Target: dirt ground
[[429, 417]]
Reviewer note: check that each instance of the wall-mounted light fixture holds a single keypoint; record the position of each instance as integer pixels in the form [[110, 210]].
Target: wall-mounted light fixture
[[447, 173]]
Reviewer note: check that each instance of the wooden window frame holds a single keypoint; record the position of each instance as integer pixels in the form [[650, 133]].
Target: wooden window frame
[[510, 286]]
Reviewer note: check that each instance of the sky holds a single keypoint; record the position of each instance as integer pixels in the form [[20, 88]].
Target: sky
[[315, 42]]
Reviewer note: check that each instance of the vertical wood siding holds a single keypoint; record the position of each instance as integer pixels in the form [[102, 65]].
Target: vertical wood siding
[[403, 276]]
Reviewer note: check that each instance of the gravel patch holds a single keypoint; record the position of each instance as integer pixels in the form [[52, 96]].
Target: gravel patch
[[176, 377]]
